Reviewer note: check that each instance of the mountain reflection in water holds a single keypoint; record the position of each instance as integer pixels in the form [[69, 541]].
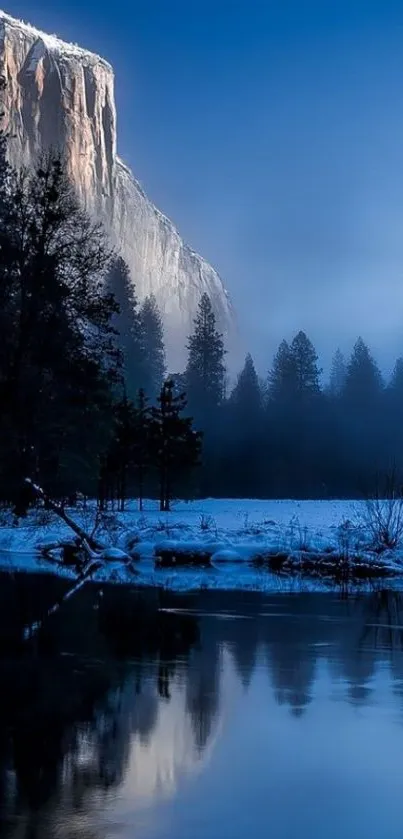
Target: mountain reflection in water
[[219, 705]]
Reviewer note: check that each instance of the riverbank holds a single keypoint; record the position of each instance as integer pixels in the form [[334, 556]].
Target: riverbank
[[219, 544]]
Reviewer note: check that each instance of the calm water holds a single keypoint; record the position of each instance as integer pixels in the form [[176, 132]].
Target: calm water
[[232, 716]]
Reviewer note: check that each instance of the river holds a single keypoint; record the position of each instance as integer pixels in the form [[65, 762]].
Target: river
[[226, 716]]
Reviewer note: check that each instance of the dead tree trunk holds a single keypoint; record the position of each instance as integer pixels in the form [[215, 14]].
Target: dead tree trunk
[[88, 541]]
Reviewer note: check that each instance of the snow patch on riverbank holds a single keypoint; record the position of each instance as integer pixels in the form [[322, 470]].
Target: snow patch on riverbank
[[232, 532]]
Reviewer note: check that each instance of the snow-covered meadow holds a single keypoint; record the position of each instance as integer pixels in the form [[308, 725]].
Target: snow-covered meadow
[[234, 534]]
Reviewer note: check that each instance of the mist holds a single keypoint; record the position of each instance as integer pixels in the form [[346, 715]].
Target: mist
[[272, 135], [284, 171]]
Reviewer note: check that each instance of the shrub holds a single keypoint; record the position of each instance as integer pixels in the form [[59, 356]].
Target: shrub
[[382, 515]]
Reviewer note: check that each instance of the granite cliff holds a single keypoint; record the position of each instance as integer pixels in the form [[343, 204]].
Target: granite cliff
[[61, 96]]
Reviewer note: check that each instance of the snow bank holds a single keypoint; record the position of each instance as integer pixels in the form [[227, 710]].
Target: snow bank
[[213, 543]]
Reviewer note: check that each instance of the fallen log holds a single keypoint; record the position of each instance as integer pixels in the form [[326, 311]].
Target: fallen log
[[98, 555], [88, 541]]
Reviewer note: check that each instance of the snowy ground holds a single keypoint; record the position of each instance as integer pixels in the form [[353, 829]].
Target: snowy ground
[[232, 532]]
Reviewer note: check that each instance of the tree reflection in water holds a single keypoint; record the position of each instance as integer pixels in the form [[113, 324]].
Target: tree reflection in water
[[121, 695], [70, 708]]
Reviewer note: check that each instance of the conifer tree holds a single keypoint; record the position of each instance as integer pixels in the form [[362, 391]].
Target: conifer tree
[[129, 325], [205, 370], [246, 397], [8, 188], [243, 416], [392, 407], [175, 446], [154, 350], [58, 358], [142, 444], [124, 466], [116, 464], [294, 376], [282, 380], [363, 385], [396, 382], [338, 373], [305, 362]]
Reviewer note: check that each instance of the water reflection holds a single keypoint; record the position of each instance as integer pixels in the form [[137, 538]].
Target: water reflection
[[116, 716], [72, 723]]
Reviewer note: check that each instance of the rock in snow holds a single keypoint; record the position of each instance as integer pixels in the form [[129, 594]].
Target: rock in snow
[[62, 97]]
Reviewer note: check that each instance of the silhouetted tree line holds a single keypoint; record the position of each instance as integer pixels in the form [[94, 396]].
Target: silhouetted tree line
[[290, 436], [85, 404]]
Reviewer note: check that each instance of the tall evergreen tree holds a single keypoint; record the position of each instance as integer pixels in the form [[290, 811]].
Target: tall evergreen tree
[[305, 361], [142, 444], [362, 406], [393, 418], [396, 382], [8, 189], [60, 357], [282, 380], [124, 466], [129, 325], [154, 350], [243, 424], [295, 373], [338, 373], [115, 463], [205, 370], [363, 384], [246, 397], [175, 446], [294, 411]]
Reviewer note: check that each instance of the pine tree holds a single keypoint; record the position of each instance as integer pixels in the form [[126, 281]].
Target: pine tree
[[129, 325], [8, 229], [282, 379], [125, 464], [246, 397], [396, 382], [295, 373], [243, 424], [294, 414], [205, 371], [175, 446], [116, 465], [306, 367], [59, 358], [392, 408], [363, 384], [394, 397], [142, 443], [338, 373], [154, 350], [8, 188]]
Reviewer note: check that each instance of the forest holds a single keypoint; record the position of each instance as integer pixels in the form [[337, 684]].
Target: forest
[[88, 406]]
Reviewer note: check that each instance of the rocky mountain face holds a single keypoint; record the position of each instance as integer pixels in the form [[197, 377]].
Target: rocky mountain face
[[60, 96]]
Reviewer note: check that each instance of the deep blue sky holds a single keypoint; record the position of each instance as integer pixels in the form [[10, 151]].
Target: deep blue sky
[[272, 134]]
